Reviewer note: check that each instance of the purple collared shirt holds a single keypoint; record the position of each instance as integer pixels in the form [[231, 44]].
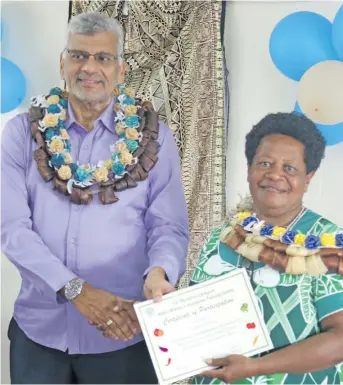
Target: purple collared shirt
[[51, 241]]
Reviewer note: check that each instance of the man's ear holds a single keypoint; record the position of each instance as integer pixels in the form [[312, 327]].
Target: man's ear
[[121, 72], [62, 67]]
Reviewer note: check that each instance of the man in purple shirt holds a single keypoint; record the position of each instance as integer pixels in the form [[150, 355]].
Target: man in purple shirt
[[83, 265]]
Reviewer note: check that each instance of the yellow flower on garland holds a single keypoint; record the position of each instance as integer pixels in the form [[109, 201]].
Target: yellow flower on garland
[[299, 239], [328, 240], [63, 114], [64, 133], [130, 110], [126, 157], [64, 172], [132, 133], [116, 91], [108, 164], [130, 92], [56, 145], [243, 215], [278, 231], [53, 99], [50, 120], [67, 157], [101, 175], [120, 128], [121, 147]]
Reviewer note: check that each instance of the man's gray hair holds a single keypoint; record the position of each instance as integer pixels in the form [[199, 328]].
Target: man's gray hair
[[89, 23]]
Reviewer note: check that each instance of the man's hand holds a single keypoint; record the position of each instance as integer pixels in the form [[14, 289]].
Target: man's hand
[[156, 284], [232, 368], [111, 314]]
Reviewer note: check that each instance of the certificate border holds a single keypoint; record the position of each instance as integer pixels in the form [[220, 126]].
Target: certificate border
[[227, 276]]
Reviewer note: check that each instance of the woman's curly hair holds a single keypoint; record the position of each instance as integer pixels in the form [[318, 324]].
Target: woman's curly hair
[[290, 124]]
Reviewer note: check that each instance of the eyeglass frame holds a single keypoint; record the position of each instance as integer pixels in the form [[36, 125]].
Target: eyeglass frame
[[87, 55]]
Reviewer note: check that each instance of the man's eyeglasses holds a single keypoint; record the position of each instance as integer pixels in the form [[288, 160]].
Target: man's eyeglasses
[[102, 58]]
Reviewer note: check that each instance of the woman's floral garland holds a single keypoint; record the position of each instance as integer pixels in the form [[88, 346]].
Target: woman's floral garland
[[136, 146], [252, 224]]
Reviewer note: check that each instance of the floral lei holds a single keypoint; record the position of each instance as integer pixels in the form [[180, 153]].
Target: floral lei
[[251, 223], [132, 155], [284, 250]]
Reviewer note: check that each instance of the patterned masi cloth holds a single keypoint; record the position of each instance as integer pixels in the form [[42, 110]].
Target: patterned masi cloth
[[292, 305]]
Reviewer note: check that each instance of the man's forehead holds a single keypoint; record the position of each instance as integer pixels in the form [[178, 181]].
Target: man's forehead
[[97, 42]]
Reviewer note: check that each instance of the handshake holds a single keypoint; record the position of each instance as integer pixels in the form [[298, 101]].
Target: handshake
[[114, 316]]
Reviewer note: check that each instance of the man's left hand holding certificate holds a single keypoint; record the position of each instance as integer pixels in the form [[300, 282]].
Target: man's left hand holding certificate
[[212, 319]]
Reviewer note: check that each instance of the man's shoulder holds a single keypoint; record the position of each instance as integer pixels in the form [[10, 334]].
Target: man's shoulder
[[17, 127], [163, 132]]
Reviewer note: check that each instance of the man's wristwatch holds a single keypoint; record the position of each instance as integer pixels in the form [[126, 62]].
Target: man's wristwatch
[[73, 288]]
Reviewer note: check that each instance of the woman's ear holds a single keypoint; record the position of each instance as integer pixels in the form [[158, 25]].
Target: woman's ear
[[309, 177]]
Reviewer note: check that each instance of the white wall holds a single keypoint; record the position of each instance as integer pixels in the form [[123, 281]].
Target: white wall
[[33, 37], [257, 88]]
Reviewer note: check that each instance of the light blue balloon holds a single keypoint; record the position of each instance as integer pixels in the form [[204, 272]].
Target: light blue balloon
[[13, 86], [333, 134], [299, 41], [337, 33]]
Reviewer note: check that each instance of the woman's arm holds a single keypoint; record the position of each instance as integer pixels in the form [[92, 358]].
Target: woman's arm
[[319, 352]]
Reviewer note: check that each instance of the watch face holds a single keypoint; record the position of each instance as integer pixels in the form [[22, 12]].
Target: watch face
[[73, 289]]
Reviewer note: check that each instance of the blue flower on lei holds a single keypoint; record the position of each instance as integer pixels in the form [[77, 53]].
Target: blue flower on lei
[[312, 242], [129, 101], [63, 103], [51, 132], [132, 121], [288, 237], [249, 220], [81, 174], [339, 240], [57, 160], [73, 167], [115, 157], [67, 146], [132, 145], [55, 91], [118, 168], [61, 124], [54, 109], [267, 230]]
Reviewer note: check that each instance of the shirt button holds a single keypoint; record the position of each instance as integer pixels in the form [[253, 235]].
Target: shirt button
[[85, 148], [72, 240], [77, 208]]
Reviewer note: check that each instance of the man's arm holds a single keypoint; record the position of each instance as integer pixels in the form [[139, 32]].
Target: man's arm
[[166, 218], [20, 243]]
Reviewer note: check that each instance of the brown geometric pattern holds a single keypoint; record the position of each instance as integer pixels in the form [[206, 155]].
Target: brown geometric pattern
[[174, 59]]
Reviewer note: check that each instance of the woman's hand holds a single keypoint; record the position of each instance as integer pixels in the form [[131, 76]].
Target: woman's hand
[[231, 368]]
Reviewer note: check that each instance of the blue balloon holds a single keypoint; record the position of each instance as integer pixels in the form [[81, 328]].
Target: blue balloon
[[13, 86], [333, 134], [299, 41], [337, 33]]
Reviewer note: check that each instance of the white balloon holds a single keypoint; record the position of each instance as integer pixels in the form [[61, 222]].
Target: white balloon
[[320, 94]]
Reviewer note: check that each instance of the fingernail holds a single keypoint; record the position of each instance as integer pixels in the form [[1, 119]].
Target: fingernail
[[116, 308], [208, 361], [158, 299]]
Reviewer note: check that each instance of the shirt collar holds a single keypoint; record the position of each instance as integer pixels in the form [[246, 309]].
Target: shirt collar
[[106, 118]]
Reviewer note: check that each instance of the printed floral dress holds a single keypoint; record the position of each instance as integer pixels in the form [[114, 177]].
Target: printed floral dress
[[292, 306]]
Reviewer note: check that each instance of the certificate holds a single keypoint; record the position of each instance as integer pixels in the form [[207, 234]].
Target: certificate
[[209, 320]]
